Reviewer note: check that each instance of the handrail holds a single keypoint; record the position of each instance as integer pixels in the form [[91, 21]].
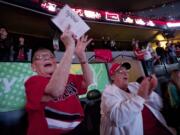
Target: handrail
[[122, 55]]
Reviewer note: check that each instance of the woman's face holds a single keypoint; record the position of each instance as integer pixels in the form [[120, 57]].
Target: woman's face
[[44, 63], [3, 33], [121, 78]]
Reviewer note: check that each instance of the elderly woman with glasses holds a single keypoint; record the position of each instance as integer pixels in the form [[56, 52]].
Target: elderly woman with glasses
[[52, 103], [131, 108]]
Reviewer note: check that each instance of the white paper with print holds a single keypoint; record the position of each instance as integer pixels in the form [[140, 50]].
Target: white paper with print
[[67, 17]]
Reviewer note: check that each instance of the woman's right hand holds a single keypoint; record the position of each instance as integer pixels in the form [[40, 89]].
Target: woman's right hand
[[144, 88], [68, 38]]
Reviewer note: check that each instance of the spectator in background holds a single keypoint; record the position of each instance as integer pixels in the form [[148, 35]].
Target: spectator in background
[[172, 53], [161, 53], [5, 45], [20, 50], [148, 58], [174, 89], [131, 108], [54, 90], [172, 100], [178, 50], [156, 58], [137, 50]]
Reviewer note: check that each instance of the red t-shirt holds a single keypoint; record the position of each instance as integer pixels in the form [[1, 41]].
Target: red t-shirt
[[67, 104], [151, 125]]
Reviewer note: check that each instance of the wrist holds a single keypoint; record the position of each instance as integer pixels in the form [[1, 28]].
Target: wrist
[[82, 58], [70, 47], [83, 62]]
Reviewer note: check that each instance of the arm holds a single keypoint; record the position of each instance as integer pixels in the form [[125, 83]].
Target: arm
[[118, 107], [155, 101], [80, 53], [146, 91], [58, 81], [129, 105]]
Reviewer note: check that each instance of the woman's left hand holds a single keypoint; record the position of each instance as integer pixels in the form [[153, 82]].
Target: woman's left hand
[[81, 46]]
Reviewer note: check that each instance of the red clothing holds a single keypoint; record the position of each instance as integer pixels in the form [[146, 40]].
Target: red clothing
[[67, 104], [138, 53], [151, 125]]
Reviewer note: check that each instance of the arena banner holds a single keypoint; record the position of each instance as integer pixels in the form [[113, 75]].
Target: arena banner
[[14, 74]]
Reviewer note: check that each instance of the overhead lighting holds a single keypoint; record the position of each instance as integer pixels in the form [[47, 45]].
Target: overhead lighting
[[112, 17], [173, 24], [150, 23], [162, 40], [49, 6], [78, 11], [52, 7], [139, 21], [128, 20], [92, 14]]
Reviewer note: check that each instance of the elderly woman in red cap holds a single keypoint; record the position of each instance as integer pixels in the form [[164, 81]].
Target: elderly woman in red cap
[[131, 108]]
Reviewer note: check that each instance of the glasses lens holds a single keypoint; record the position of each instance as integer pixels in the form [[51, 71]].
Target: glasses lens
[[43, 56]]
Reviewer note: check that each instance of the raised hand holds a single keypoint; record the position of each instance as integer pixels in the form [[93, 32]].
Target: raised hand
[[147, 86], [153, 82], [81, 46], [144, 89], [67, 38]]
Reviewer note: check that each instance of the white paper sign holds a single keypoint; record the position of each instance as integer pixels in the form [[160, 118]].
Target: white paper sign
[[67, 17]]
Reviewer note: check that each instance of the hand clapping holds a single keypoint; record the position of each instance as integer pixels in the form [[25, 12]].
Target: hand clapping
[[147, 86]]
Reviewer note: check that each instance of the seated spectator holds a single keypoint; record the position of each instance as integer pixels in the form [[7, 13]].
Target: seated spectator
[[131, 108], [20, 50], [5, 45]]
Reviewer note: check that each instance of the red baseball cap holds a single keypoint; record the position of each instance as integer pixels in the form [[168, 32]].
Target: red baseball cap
[[116, 66]]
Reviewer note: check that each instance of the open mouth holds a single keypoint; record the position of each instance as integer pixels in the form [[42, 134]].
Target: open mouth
[[48, 65], [125, 78]]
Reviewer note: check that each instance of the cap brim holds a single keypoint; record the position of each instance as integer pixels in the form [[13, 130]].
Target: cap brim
[[126, 65]]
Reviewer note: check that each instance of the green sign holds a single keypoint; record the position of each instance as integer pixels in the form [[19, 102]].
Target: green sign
[[12, 77], [14, 74]]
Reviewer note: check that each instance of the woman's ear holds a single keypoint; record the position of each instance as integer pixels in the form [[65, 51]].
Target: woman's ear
[[33, 67], [112, 77]]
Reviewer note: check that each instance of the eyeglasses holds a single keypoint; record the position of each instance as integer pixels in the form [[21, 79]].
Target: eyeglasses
[[122, 71], [43, 57]]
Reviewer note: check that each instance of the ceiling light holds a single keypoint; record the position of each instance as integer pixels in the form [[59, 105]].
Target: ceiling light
[[92, 14], [139, 21], [150, 23], [173, 24], [128, 20]]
